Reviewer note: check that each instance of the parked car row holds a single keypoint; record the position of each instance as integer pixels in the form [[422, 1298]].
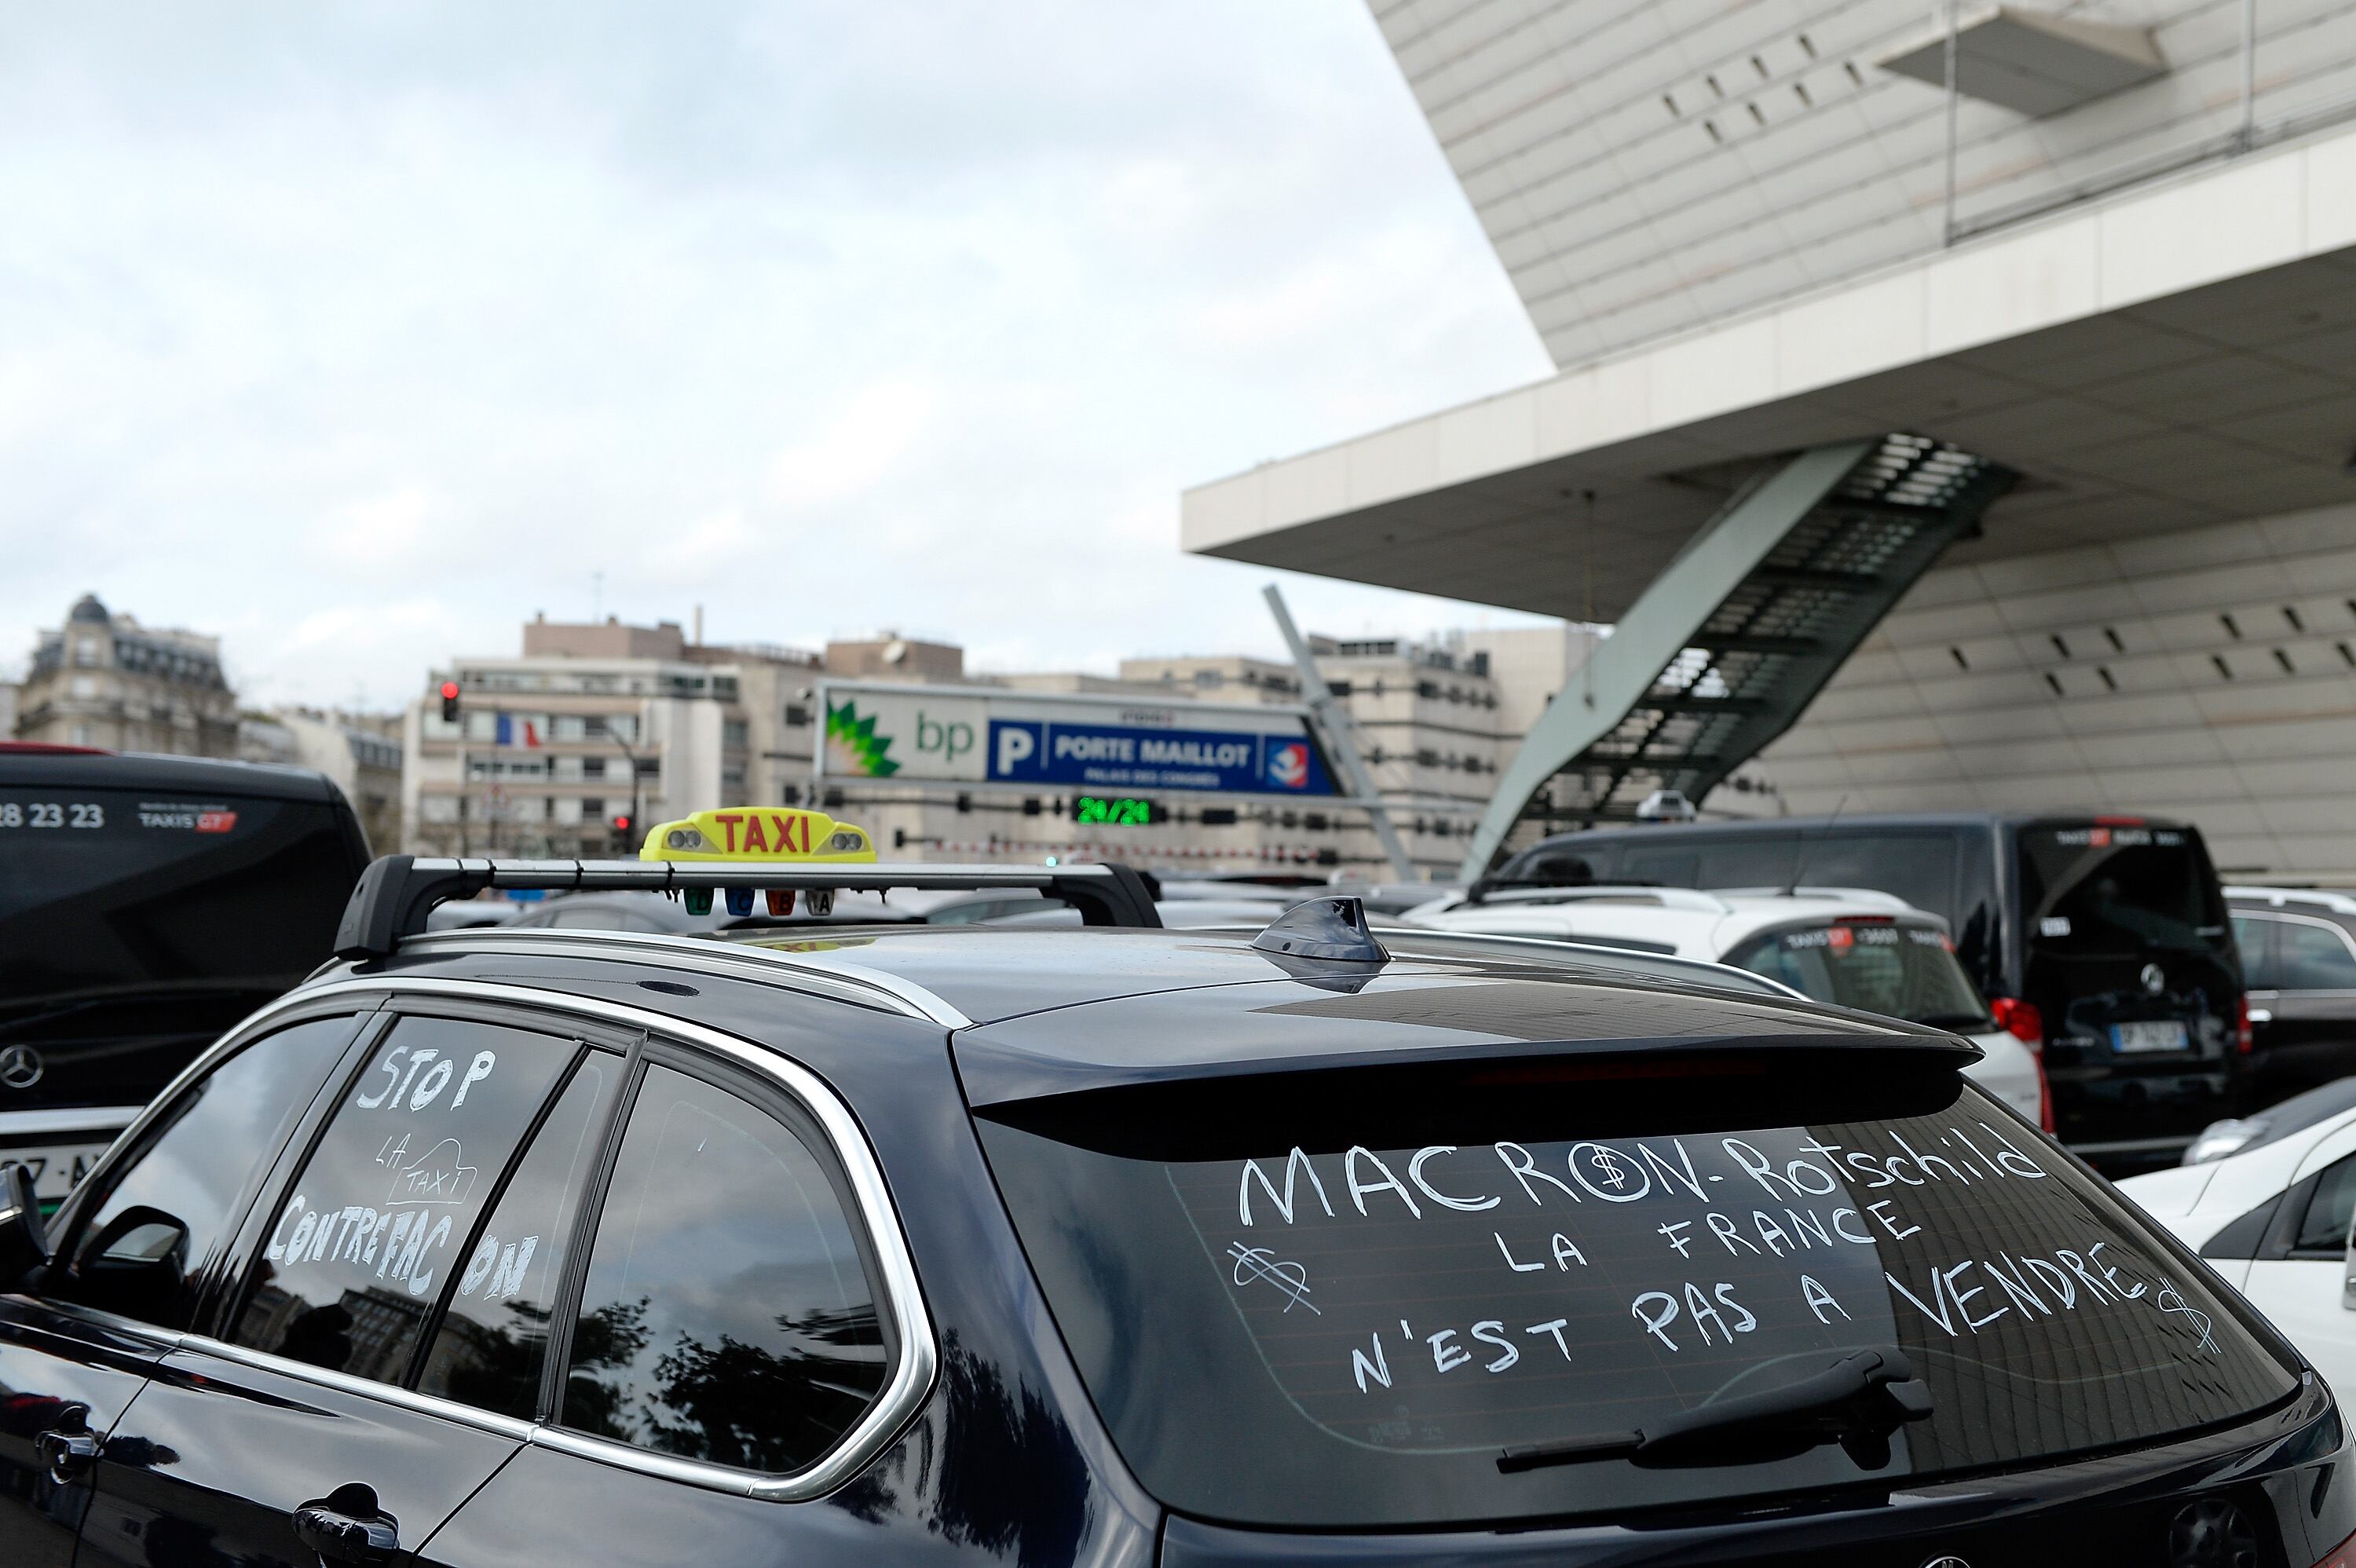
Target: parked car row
[[1851, 947], [2102, 942], [940, 1243]]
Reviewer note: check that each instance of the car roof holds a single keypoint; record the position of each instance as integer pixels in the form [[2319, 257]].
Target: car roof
[[1711, 922], [1825, 825], [2312, 898], [981, 975], [141, 770], [1412, 1010]]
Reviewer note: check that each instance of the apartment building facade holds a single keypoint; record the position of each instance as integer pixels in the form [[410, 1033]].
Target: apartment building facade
[[103, 680]]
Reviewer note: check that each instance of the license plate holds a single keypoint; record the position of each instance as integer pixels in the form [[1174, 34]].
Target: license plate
[[2168, 1034], [56, 1167]]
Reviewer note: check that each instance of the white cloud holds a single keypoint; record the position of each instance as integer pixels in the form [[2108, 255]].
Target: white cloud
[[359, 339], [393, 529], [877, 428]]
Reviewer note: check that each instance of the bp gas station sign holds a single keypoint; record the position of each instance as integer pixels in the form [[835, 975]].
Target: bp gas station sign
[[958, 735]]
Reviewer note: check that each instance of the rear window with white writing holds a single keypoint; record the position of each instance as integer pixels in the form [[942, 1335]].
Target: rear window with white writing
[[1340, 1308]]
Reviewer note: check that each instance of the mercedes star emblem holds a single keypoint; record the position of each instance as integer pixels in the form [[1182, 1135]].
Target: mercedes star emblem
[[1949, 1561], [20, 1067], [2155, 980]]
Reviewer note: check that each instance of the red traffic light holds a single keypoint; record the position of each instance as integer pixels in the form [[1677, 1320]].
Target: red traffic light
[[449, 702], [449, 692], [621, 825]]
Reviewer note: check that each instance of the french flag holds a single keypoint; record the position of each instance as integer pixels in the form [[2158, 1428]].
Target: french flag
[[514, 731]]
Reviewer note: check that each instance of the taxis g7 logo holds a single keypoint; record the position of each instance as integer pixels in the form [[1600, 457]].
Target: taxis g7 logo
[[20, 1067]]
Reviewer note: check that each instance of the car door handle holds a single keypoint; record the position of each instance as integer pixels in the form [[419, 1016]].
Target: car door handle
[[349, 1527], [67, 1455]]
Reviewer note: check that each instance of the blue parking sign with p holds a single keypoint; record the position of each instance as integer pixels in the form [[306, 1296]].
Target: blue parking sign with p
[[1016, 748]]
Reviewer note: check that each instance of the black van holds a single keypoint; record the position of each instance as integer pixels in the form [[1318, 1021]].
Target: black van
[[2102, 940], [147, 904]]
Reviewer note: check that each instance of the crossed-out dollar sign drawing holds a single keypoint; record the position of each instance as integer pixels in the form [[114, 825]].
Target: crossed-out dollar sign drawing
[[2170, 1300], [1608, 1174], [1258, 1262]]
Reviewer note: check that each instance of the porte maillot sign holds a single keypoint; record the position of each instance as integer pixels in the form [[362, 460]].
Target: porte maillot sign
[[959, 735]]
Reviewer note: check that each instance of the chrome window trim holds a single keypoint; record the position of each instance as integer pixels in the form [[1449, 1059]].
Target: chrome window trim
[[166, 1340], [845, 982], [108, 1119], [365, 1387], [900, 1292], [169, 1341]]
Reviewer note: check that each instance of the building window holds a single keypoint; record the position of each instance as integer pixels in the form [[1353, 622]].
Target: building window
[[797, 716], [86, 652], [568, 726], [650, 768], [84, 686], [734, 733], [81, 734], [592, 767], [592, 809], [1209, 677]]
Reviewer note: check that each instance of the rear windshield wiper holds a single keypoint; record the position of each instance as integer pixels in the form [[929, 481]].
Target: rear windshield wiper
[[1858, 1401]]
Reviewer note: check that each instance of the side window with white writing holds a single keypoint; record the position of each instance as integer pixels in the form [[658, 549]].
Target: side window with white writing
[[361, 1243], [492, 1342], [727, 1314], [143, 1249]]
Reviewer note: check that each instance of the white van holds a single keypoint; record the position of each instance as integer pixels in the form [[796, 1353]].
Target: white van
[[1849, 947]]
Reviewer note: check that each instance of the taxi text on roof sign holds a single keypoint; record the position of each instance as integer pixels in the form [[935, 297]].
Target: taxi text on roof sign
[[743, 833]]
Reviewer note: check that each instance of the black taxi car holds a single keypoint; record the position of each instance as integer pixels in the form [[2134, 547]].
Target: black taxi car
[[1108, 1246]]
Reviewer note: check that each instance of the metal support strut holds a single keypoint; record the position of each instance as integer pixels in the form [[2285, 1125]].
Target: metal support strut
[[1340, 737], [1734, 639]]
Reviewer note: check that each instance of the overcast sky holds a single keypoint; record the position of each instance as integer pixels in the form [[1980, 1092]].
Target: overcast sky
[[358, 334]]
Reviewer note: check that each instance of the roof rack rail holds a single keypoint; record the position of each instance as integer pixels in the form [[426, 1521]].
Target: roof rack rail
[[397, 892]]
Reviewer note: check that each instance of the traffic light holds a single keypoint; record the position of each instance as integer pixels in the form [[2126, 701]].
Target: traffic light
[[622, 825], [449, 702]]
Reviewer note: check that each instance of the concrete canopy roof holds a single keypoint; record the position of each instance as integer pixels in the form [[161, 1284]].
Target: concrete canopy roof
[[2180, 355]]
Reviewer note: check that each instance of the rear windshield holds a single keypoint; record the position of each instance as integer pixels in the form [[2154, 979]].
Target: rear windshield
[[1336, 1300], [105, 891], [1898, 969], [2116, 892]]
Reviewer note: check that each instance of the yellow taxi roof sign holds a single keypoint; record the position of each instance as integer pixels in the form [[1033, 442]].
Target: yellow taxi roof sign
[[744, 834]]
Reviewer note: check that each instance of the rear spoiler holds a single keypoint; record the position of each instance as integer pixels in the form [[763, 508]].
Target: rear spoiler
[[397, 892]]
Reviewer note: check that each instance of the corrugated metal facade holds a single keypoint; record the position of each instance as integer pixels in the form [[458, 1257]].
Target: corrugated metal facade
[[2207, 673], [1643, 169]]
